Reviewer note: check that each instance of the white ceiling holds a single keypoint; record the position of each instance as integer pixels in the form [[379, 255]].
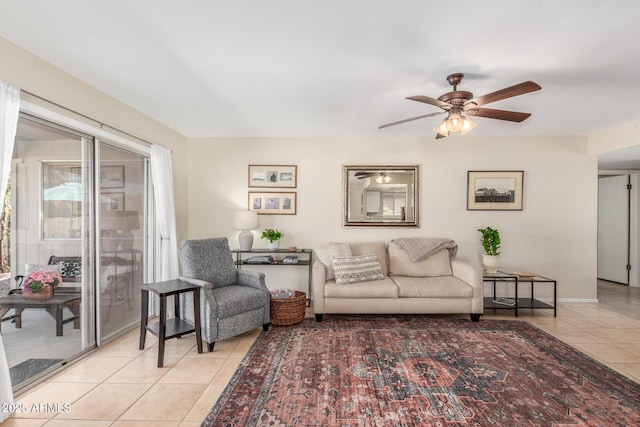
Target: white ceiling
[[242, 68]]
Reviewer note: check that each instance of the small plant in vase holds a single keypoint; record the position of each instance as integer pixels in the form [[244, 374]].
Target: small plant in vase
[[40, 284], [273, 236], [491, 244]]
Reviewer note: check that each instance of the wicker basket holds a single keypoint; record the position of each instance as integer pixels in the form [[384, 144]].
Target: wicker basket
[[288, 311]]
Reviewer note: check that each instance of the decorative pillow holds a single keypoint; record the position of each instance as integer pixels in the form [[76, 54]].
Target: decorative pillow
[[357, 269], [32, 268], [327, 252], [70, 268]]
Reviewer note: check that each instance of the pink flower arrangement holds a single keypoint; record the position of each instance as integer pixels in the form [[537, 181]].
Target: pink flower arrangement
[[34, 282]]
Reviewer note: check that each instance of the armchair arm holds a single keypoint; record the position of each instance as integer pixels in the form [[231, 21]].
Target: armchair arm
[[471, 275], [202, 283], [318, 280], [253, 279]]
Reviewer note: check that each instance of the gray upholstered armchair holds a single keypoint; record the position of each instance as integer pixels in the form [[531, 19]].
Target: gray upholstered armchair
[[232, 301]]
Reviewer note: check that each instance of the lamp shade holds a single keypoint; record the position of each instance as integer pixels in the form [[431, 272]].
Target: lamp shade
[[245, 220]]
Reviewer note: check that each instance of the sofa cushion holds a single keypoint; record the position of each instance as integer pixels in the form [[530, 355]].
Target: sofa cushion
[[432, 287], [400, 264], [384, 288], [378, 248], [361, 268], [327, 252]]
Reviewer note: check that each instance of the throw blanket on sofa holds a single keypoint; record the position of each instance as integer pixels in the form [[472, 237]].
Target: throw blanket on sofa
[[420, 248]]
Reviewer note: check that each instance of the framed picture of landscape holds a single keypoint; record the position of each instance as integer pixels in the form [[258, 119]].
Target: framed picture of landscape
[[494, 190]]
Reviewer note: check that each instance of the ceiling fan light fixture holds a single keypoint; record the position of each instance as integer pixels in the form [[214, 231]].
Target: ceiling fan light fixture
[[455, 122], [383, 178], [468, 125], [441, 129]]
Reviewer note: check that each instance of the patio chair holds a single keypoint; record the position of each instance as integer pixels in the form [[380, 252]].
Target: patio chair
[[232, 301]]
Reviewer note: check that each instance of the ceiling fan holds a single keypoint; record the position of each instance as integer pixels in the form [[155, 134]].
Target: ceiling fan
[[382, 177], [458, 103]]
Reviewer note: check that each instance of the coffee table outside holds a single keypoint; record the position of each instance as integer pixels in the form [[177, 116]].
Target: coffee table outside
[[54, 306]]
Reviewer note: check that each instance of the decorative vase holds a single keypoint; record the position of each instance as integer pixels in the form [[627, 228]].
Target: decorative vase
[[273, 246], [46, 292], [491, 263]]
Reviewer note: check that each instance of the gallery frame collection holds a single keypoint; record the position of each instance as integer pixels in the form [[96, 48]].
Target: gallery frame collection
[[273, 177], [494, 190]]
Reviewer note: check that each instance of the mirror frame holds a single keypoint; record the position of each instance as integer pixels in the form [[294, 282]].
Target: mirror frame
[[414, 169]]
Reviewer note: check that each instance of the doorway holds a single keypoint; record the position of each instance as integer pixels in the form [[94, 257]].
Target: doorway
[[619, 227]]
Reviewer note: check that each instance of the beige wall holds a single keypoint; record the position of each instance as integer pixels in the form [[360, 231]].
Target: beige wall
[[554, 235], [616, 137], [31, 74]]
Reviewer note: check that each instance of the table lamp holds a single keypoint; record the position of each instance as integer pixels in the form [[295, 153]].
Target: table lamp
[[245, 221]]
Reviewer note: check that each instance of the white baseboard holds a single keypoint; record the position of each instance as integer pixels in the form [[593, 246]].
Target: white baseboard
[[588, 301]]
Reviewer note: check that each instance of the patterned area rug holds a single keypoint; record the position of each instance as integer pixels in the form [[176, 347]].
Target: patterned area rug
[[421, 372]]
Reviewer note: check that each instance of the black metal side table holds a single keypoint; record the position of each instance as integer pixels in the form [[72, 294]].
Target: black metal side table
[[175, 327], [518, 302], [307, 261]]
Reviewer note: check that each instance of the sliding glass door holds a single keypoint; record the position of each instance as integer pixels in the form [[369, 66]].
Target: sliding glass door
[[123, 179], [80, 207], [50, 229]]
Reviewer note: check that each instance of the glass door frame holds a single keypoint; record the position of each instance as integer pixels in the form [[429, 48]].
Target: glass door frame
[[148, 250], [96, 130]]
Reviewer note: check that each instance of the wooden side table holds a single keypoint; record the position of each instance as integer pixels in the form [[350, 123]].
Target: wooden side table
[[175, 327]]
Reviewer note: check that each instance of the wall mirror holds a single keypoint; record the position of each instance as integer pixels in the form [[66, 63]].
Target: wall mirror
[[381, 195]]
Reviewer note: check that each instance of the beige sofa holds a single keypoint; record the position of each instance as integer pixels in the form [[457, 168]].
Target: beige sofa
[[435, 285]]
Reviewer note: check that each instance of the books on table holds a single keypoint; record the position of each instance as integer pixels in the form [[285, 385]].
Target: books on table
[[505, 301], [262, 259]]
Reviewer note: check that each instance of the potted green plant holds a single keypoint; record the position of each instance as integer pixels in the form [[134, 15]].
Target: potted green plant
[[491, 244], [273, 236]]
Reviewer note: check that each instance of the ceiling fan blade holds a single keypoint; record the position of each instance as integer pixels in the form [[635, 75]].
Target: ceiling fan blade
[[428, 100], [511, 91], [512, 116], [411, 119], [361, 175]]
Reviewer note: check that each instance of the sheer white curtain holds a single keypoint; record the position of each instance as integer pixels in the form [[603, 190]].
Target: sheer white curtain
[[162, 176], [9, 108]]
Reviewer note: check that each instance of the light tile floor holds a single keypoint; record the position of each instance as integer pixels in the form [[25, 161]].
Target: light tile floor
[[119, 385]]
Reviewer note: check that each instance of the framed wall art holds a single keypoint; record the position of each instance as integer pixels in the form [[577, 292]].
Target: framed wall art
[[494, 190], [273, 176], [272, 203], [112, 177], [112, 201]]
